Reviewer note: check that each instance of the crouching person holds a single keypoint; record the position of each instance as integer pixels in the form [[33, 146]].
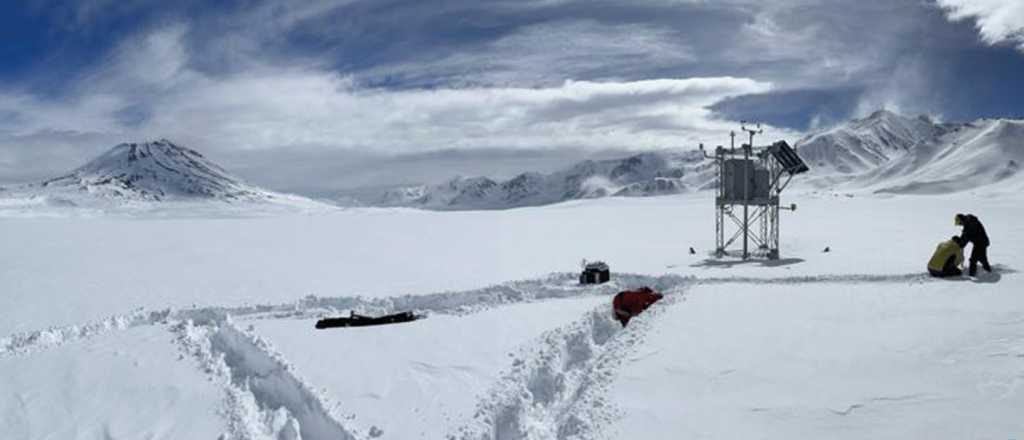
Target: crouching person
[[947, 259]]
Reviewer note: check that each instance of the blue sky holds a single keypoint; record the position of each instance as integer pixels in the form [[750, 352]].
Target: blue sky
[[251, 82]]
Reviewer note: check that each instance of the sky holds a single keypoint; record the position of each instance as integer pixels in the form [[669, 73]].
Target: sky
[[328, 94]]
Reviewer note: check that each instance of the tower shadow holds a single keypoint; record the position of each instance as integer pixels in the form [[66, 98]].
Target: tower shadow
[[727, 263]]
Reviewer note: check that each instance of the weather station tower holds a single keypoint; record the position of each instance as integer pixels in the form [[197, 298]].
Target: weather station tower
[[750, 182]]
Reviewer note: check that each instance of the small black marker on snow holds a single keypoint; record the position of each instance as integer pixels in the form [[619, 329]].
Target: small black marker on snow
[[826, 249], [692, 252]]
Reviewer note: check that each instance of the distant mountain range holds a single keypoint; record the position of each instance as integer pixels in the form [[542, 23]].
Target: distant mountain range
[[645, 174], [882, 153], [889, 153], [862, 145]]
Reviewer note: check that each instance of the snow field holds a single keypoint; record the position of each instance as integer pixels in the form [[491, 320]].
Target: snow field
[[62, 272], [892, 360], [807, 337]]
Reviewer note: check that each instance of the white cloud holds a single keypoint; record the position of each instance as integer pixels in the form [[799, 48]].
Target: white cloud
[[26, 114], [268, 107], [284, 108], [906, 91], [547, 53], [998, 21], [157, 59]]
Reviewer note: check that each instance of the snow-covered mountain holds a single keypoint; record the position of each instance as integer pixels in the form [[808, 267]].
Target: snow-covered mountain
[[884, 152], [864, 144], [148, 173], [891, 153], [155, 171], [644, 174]]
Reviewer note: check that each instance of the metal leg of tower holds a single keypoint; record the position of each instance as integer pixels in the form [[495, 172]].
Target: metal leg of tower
[[719, 232]]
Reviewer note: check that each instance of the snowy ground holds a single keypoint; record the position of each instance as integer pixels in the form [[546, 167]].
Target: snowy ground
[[126, 384], [211, 322], [881, 361], [434, 368]]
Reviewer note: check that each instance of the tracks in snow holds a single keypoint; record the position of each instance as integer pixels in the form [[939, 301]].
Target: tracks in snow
[[554, 286], [559, 285], [264, 398], [28, 342], [557, 388], [916, 278]]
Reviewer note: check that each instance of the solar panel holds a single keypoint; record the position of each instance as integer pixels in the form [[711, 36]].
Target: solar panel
[[787, 157]]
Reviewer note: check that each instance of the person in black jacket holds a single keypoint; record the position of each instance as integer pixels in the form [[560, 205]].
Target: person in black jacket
[[974, 233]]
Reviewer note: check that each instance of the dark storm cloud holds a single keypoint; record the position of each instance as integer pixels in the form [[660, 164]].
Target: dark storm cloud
[[801, 109]]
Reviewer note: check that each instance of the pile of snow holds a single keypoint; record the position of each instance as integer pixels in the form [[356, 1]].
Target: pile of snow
[[646, 174], [144, 175]]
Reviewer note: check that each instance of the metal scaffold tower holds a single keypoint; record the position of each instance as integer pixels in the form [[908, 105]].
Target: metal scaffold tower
[[750, 180]]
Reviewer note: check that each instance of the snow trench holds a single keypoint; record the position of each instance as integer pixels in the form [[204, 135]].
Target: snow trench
[[29, 342], [557, 388], [554, 286], [264, 398], [916, 277]]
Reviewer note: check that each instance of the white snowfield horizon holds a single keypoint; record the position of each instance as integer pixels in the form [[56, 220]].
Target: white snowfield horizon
[[151, 294]]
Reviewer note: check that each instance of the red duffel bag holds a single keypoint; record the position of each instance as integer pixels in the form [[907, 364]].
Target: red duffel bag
[[630, 303]]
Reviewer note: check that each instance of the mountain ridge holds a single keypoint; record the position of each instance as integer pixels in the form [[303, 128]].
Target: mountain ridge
[[916, 155], [642, 174], [883, 152]]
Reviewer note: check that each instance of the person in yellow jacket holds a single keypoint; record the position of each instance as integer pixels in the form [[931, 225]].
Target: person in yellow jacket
[[947, 259]]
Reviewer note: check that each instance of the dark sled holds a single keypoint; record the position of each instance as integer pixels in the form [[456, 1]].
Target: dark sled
[[355, 320]]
